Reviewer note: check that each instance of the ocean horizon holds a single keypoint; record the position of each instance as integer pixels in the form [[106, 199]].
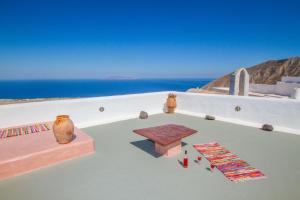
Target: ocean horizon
[[32, 89]]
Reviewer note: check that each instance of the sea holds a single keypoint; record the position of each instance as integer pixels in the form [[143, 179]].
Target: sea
[[31, 89]]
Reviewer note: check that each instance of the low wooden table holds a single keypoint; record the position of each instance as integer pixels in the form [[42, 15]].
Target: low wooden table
[[167, 138]]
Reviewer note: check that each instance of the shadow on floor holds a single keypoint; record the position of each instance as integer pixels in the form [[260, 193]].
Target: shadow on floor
[[208, 169], [148, 146], [180, 163]]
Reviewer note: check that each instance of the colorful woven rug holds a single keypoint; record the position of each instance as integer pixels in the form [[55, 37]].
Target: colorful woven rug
[[23, 130], [230, 165]]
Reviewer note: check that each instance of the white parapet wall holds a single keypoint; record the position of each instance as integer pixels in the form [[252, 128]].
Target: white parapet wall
[[281, 88], [291, 79], [283, 114], [84, 112], [263, 88], [285, 87]]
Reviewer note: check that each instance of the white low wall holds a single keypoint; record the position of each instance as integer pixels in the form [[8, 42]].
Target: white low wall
[[290, 79], [281, 88], [286, 89], [283, 114], [84, 112], [263, 88]]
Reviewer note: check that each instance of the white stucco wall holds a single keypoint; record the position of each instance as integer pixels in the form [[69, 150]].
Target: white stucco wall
[[283, 114], [84, 112], [291, 79], [263, 88], [281, 88], [286, 89]]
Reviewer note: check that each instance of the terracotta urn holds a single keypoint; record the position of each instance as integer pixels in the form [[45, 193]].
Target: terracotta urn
[[63, 129], [171, 103]]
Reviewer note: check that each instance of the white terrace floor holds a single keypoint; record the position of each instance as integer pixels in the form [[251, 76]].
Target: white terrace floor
[[125, 166]]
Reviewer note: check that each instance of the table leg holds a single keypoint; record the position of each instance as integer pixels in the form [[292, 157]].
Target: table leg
[[168, 150]]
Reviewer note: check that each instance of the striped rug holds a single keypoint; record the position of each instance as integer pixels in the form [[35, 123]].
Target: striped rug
[[24, 130], [229, 164]]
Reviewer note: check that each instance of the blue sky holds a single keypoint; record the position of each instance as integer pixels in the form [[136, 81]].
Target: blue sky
[[143, 39]]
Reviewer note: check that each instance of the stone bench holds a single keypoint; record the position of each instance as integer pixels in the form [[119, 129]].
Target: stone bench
[[25, 153]]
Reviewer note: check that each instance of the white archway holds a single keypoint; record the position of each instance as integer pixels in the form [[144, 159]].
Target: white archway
[[239, 82]]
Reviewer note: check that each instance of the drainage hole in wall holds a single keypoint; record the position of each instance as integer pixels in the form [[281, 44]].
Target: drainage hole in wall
[[238, 108]]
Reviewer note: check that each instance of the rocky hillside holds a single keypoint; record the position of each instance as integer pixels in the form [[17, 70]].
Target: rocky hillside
[[265, 73]]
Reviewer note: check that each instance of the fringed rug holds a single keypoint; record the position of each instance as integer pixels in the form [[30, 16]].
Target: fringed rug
[[24, 130], [230, 165]]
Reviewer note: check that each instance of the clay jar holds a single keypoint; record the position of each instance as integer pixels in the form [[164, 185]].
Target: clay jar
[[63, 129], [171, 103]]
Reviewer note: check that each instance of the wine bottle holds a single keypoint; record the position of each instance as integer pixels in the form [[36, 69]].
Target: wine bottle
[[185, 160]]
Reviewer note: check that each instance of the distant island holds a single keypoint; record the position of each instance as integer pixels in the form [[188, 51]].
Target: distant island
[[119, 78], [268, 72]]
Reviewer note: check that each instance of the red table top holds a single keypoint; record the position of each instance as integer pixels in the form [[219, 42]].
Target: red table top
[[165, 134]]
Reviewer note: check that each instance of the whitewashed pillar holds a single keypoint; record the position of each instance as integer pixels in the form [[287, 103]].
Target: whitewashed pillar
[[234, 85]]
